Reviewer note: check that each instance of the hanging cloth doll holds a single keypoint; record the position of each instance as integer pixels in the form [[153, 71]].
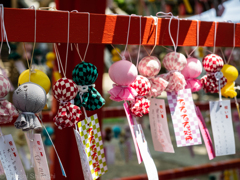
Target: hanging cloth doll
[[30, 99], [214, 80], [84, 75], [7, 110], [64, 90], [140, 105]]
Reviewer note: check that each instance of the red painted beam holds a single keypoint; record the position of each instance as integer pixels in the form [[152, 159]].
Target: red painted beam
[[190, 171], [112, 29]]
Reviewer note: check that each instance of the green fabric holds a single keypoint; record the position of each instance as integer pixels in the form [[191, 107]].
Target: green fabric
[[86, 74]]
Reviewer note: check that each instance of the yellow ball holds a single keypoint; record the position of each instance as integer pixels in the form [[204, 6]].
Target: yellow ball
[[230, 72], [50, 56], [38, 77]]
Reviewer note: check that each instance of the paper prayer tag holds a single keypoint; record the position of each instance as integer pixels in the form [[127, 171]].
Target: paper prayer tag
[[147, 159], [222, 128], [131, 124], [92, 140], [83, 157], [205, 134], [185, 121], [159, 126], [40, 161], [10, 160]]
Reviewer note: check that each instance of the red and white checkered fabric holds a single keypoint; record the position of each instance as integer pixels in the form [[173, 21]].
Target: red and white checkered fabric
[[212, 63], [68, 114], [141, 105], [4, 86], [174, 61], [210, 84], [7, 110], [149, 66]]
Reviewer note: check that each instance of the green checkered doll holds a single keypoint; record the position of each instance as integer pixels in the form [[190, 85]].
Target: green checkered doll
[[85, 75]]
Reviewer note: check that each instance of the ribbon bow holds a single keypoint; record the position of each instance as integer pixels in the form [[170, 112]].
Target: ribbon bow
[[68, 114], [85, 75], [140, 105]]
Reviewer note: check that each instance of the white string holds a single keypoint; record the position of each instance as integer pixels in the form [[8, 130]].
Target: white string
[[140, 40], [30, 133], [156, 24], [60, 66], [129, 24], [3, 30], [60, 162], [67, 42], [197, 40], [233, 44], [76, 45], [215, 35], [1, 135], [170, 15]]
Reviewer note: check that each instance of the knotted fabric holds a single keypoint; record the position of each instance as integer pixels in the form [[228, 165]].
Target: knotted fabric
[[68, 114], [149, 67], [29, 98], [85, 75], [122, 93], [174, 62], [7, 110], [140, 105], [213, 64]]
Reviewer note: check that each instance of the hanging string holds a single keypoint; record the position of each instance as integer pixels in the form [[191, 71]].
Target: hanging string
[[76, 45], [233, 44], [197, 40], [224, 59], [170, 15], [215, 35], [3, 30], [1, 135], [156, 24], [67, 42], [140, 40], [60, 66]]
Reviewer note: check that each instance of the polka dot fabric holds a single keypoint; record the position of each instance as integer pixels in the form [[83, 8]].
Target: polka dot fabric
[[68, 114], [7, 110], [140, 105], [212, 63]]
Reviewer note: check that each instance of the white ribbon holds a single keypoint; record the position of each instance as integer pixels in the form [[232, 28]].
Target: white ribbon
[[83, 89]]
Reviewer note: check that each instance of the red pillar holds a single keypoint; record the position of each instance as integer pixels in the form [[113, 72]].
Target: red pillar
[[65, 140]]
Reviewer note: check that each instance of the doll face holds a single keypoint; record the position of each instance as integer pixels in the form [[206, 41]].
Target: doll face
[[29, 97]]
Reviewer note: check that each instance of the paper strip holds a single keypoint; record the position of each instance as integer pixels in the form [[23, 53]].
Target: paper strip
[[131, 124], [159, 126], [185, 121], [10, 160], [40, 161], [222, 127], [205, 134]]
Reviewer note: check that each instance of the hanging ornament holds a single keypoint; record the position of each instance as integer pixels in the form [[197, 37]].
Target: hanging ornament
[[174, 62], [84, 75], [115, 54], [7, 110], [29, 98], [140, 105], [123, 73], [37, 77], [231, 74], [191, 71], [68, 114], [214, 80], [149, 67]]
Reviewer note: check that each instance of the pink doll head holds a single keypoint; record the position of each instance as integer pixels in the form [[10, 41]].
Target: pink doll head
[[192, 70], [123, 72], [174, 61], [149, 66]]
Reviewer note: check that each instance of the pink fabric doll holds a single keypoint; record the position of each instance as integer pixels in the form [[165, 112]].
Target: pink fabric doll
[[191, 71]]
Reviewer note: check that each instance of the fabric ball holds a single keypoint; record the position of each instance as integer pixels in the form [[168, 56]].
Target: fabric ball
[[212, 63], [174, 61], [193, 68], [194, 84], [141, 85], [65, 90], [149, 66], [123, 72], [4, 86], [85, 73], [29, 97]]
